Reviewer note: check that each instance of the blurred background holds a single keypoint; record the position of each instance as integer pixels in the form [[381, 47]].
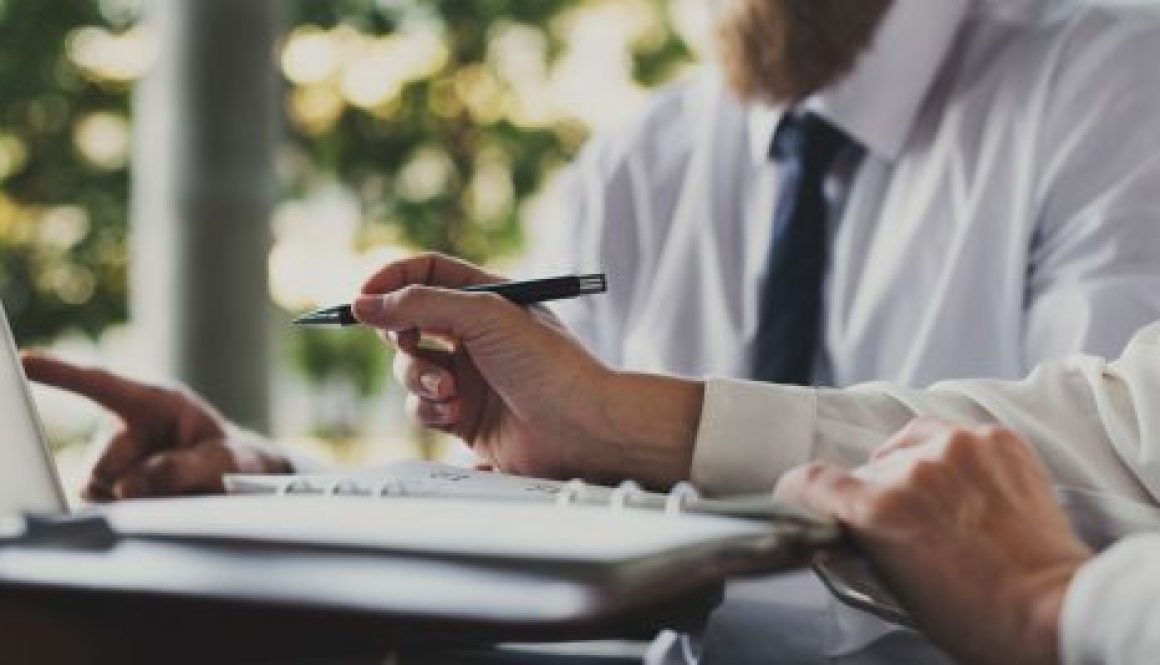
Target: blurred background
[[179, 178]]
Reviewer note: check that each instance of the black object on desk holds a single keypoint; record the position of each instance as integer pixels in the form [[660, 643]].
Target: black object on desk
[[164, 602], [178, 581]]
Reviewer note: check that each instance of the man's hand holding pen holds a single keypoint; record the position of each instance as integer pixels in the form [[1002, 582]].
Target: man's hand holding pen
[[518, 388]]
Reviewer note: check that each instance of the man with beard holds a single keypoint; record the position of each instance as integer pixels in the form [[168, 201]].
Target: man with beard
[[921, 190], [904, 190], [901, 190]]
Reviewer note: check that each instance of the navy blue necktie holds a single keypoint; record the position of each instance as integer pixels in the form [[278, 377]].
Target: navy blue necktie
[[805, 147]]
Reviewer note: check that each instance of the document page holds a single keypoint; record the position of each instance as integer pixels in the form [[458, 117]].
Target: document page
[[412, 478]]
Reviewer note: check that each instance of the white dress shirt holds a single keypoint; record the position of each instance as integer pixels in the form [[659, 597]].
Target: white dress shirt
[[1005, 210]]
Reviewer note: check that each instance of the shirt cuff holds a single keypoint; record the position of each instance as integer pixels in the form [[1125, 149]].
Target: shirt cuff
[[1110, 604], [750, 434]]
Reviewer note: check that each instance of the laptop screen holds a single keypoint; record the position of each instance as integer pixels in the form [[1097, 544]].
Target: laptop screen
[[28, 479]]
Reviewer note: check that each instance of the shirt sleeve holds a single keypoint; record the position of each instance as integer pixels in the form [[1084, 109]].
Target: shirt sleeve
[[1092, 277], [576, 234], [1090, 420], [1110, 614], [611, 212]]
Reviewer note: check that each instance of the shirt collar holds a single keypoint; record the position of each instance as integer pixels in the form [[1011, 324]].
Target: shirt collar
[[878, 102]]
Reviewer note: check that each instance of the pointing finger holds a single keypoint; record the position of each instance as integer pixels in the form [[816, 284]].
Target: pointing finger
[[122, 396]]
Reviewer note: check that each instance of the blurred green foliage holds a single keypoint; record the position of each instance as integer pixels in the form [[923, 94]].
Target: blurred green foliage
[[355, 354], [440, 162], [62, 216], [433, 121], [369, 148]]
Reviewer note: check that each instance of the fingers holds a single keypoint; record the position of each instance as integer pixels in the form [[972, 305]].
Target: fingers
[[916, 433], [97, 493], [123, 452], [407, 341], [427, 269], [453, 314], [445, 391], [443, 416], [196, 470], [425, 373], [432, 400], [826, 489], [970, 450], [122, 396]]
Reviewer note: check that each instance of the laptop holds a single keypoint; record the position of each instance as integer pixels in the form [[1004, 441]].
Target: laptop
[[28, 477]]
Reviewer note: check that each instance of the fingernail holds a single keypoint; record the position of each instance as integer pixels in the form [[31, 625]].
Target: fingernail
[[368, 308], [430, 382]]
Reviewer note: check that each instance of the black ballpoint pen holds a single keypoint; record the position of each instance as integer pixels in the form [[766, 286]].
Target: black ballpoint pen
[[521, 293]]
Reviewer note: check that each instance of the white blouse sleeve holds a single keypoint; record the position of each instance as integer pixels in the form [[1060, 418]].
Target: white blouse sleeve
[[1111, 615], [1096, 424]]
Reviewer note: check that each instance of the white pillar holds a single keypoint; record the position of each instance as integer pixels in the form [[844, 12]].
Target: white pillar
[[203, 188]]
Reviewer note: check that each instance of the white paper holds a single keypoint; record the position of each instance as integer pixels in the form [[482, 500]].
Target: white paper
[[412, 478]]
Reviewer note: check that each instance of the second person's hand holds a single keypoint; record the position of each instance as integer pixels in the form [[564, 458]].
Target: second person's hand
[[169, 442], [964, 526]]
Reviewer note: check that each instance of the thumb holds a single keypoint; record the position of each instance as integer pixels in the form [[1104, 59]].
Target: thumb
[[826, 489], [196, 470], [462, 316]]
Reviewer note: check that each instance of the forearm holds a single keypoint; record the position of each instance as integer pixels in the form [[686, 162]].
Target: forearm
[[645, 427]]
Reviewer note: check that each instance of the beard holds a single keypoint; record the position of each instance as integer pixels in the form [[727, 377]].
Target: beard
[[783, 51]]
